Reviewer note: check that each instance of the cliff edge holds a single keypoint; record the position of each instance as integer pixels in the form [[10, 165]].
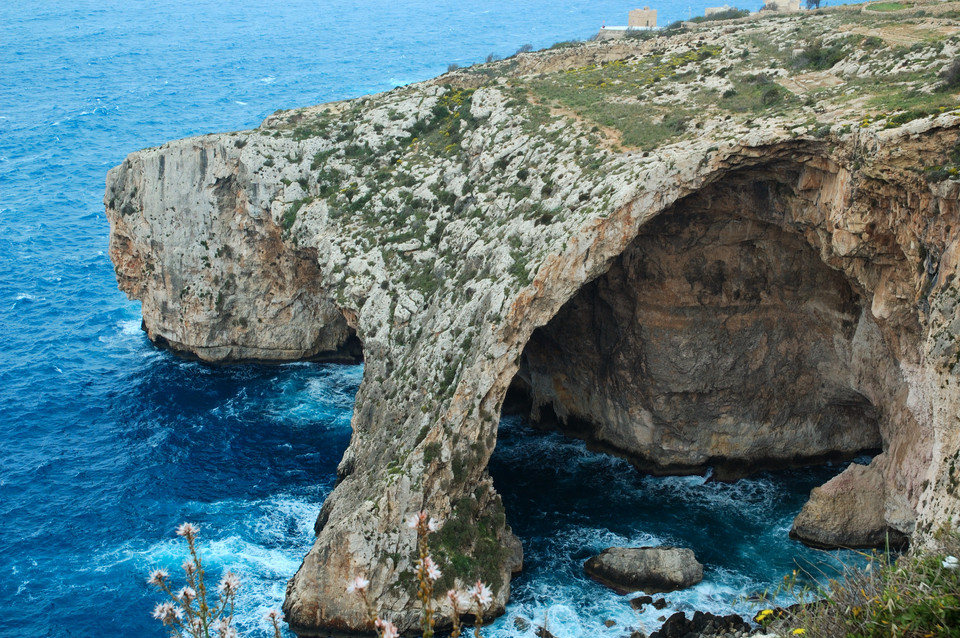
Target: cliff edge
[[734, 246]]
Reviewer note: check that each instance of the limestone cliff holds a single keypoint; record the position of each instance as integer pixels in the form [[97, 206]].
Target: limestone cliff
[[726, 247]]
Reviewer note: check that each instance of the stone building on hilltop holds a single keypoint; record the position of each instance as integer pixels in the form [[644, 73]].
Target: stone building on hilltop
[[645, 17]]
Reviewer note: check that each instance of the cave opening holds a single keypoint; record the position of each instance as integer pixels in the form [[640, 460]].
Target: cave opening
[[718, 339], [719, 344]]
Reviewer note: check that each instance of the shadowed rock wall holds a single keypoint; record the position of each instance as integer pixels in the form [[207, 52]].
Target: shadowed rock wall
[[715, 339]]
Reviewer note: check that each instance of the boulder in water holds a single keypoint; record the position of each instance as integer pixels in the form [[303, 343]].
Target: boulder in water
[[648, 569]]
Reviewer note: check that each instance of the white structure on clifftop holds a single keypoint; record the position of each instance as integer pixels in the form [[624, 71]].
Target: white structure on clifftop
[[644, 18], [637, 20]]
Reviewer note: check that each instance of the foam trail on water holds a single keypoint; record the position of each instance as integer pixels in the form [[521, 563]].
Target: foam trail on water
[[567, 503]]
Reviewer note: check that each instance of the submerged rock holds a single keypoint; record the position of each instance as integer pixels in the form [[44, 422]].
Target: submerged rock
[[648, 569], [848, 511]]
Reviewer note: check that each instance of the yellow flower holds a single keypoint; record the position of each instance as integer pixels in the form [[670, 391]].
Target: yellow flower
[[763, 615], [799, 631]]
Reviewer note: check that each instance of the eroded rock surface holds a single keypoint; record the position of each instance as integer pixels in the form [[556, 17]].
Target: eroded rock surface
[[768, 277], [716, 339], [649, 569], [849, 510]]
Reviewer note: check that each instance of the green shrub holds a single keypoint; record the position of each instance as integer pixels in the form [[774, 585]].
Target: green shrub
[[819, 57], [914, 596], [951, 75], [729, 14]]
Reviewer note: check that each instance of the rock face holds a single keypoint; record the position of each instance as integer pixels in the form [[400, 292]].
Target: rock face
[[649, 569], [728, 355], [848, 511], [751, 284]]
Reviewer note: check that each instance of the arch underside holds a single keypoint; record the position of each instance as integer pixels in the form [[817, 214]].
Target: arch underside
[[719, 338]]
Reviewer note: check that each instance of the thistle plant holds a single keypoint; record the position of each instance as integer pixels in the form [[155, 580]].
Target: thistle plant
[[476, 599], [189, 612]]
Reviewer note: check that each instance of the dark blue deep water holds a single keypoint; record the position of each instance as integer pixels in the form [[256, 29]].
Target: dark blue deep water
[[106, 443]]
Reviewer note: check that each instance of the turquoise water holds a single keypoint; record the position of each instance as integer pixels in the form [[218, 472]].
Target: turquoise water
[[107, 444]]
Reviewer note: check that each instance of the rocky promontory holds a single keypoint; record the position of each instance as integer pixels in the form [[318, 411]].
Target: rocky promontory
[[733, 246]]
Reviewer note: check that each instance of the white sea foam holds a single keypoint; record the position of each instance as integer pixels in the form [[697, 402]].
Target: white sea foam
[[130, 328], [239, 102], [269, 79]]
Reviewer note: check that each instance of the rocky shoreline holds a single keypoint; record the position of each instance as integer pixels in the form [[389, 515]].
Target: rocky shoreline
[[728, 247]]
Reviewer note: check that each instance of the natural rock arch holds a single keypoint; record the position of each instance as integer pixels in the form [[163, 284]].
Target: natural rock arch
[[438, 364], [860, 244], [718, 338]]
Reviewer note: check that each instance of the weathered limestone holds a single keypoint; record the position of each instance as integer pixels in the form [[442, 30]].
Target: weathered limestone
[[748, 294], [221, 283], [848, 511], [726, 355], [652, 570]]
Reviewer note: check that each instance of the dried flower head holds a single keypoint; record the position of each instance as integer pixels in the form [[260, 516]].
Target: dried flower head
[[388, 628], [229, 583], [187, 594], [167, 613], [358, 584], [157, 576], [187, 530], [188, 567], [273, 615]]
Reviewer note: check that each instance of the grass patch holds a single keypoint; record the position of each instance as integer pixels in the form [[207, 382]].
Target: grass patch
[[614, 94], [889, 6], [753, 94], [819, 56], [913, 596], [290, 215], [729, 14]]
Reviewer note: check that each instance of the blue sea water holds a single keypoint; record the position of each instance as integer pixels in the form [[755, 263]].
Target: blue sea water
[[106, 443]]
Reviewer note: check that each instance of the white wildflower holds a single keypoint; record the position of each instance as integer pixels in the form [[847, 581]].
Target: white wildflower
[[460, 599], [167, 613], [414, 520], [358, 584], [229, 583], [950, 562], [188, 530], [157, 576], [187, 594], [433, 525], [429, 568], [388, 628], [481, 593], [188, 567]]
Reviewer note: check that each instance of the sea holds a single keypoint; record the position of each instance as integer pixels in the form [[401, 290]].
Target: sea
[[108, 443]]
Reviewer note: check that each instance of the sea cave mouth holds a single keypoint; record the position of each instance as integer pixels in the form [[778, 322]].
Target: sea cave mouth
[[718, 339], [719, 343]]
